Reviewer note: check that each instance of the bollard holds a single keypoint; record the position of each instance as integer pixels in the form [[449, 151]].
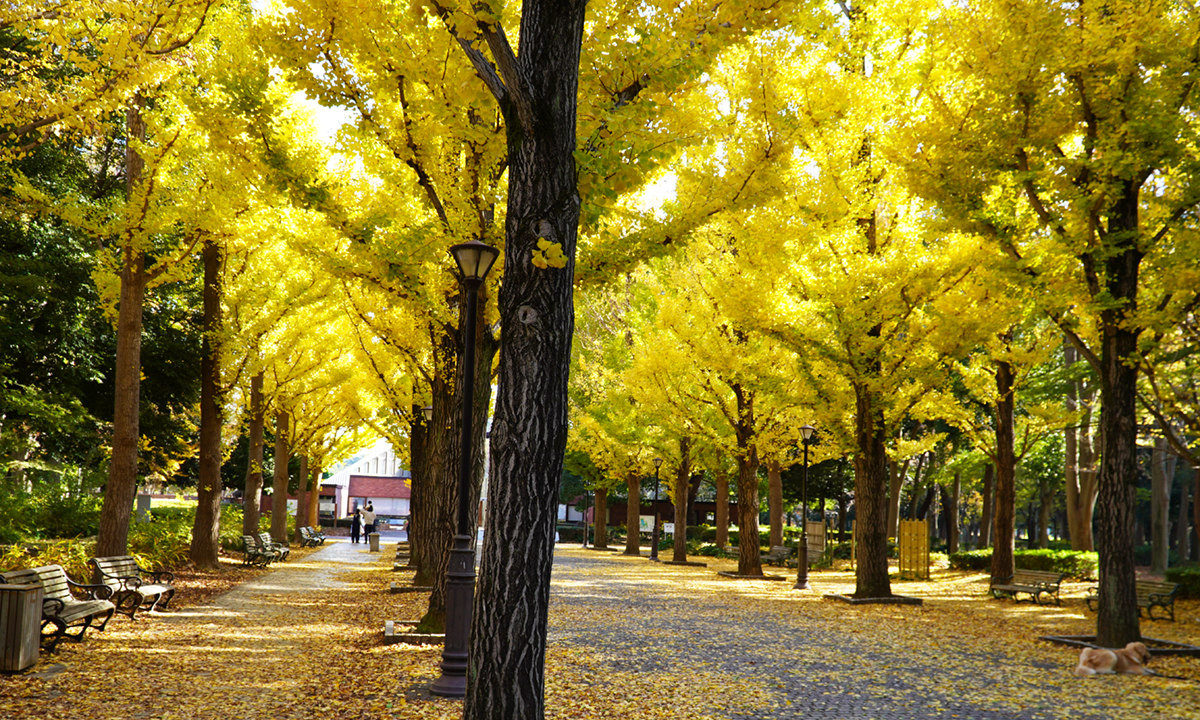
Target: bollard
[[374, 538]]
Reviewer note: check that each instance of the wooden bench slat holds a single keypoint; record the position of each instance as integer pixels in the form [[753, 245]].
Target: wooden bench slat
[[61, 610], [134, 587], [1150, 594], [1032, 582]]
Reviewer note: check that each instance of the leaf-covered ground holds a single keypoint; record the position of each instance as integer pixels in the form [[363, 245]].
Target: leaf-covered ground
[[628, 639]]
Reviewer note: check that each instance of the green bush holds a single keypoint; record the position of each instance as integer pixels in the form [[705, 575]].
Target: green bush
[[73, 555], [1075, 564], [53, 510], [711, 550], [1188, 578]]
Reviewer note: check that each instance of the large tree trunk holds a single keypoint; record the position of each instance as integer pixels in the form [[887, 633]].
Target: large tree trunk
[[445, 493], [1006, 498], [633, 509], [279, 481], [775, 502], [508, 633], [749, 557], [254, 472], [205, 531], [895, 485], [1117, 615], [683, 477], [870, 484], [722, 519], [113, 538], [600, 519], [314, 500], [1162, 473]]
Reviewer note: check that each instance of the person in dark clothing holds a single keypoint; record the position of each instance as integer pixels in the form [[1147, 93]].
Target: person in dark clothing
[[355, 526]]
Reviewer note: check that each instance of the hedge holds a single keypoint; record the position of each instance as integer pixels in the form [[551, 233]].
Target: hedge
[[1076, 564], [1188, 578]]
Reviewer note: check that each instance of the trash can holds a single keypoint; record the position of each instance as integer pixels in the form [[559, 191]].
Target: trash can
[[374, 538], [20, 626]]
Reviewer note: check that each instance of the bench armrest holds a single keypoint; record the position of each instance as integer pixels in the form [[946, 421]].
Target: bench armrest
[[52, 606], [94, 592]]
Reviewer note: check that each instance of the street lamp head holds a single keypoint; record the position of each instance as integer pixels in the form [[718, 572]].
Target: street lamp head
[[474, 259], [657, 463], [807, 431], [427, 411]]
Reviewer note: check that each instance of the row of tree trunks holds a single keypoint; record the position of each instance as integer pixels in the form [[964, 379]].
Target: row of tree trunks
[[420, 502], [1080, 459], [722, 518], [775, 501]]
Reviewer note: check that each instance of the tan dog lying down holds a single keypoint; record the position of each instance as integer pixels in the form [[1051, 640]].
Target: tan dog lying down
[[1130, 659]]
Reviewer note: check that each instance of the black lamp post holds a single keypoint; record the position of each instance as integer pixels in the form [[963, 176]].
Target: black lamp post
[[474, 261], [585, 520], [802, 551], [654, 533]]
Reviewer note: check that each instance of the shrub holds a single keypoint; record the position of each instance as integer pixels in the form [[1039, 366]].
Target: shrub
[[1188, 578], [711, 550], [1076, 564]]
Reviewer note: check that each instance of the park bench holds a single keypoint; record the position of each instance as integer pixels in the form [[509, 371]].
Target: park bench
[[1034, 582], [311, 537], [1150, 595], [255, 554], [266, 542], [133, 586], [61, 610], [779, 555]]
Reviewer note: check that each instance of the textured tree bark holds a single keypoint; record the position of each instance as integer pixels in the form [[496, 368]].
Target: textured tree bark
[[1081, 461], [254, 473], [113, 537], [870, 482], [1046, 495], [279, 481], [683, 476], [600, 517], [749, 555], [722, 518], [314, 500], [529, 434], [207, 526], [1117, 614], [950, 502], [418, 536], [775, 502], [633, 509], [1002, 553]]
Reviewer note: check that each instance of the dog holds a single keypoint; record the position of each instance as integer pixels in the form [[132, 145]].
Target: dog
[[1130, 659]]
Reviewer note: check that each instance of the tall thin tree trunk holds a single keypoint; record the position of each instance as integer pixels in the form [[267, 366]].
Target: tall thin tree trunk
[[775, 502], [314, 499], [1045, 507], [113, 537], [989, 504], [722, 518], [633, 511], [279, 481], [302, 499], [207, 527], [898, 471], [950, 502], [1183, 537], [1002, 554], [749, 557], [254, 472], [600, 519], [683, 476], [418, 503], [1162, 473]]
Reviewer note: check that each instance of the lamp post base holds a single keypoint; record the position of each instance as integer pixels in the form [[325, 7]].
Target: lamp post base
[[460, 594], [802, 568]]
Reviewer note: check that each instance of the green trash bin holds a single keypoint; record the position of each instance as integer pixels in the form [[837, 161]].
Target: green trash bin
[[20, 626]]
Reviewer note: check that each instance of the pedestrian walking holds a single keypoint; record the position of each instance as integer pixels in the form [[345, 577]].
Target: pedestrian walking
[[368, 514]]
